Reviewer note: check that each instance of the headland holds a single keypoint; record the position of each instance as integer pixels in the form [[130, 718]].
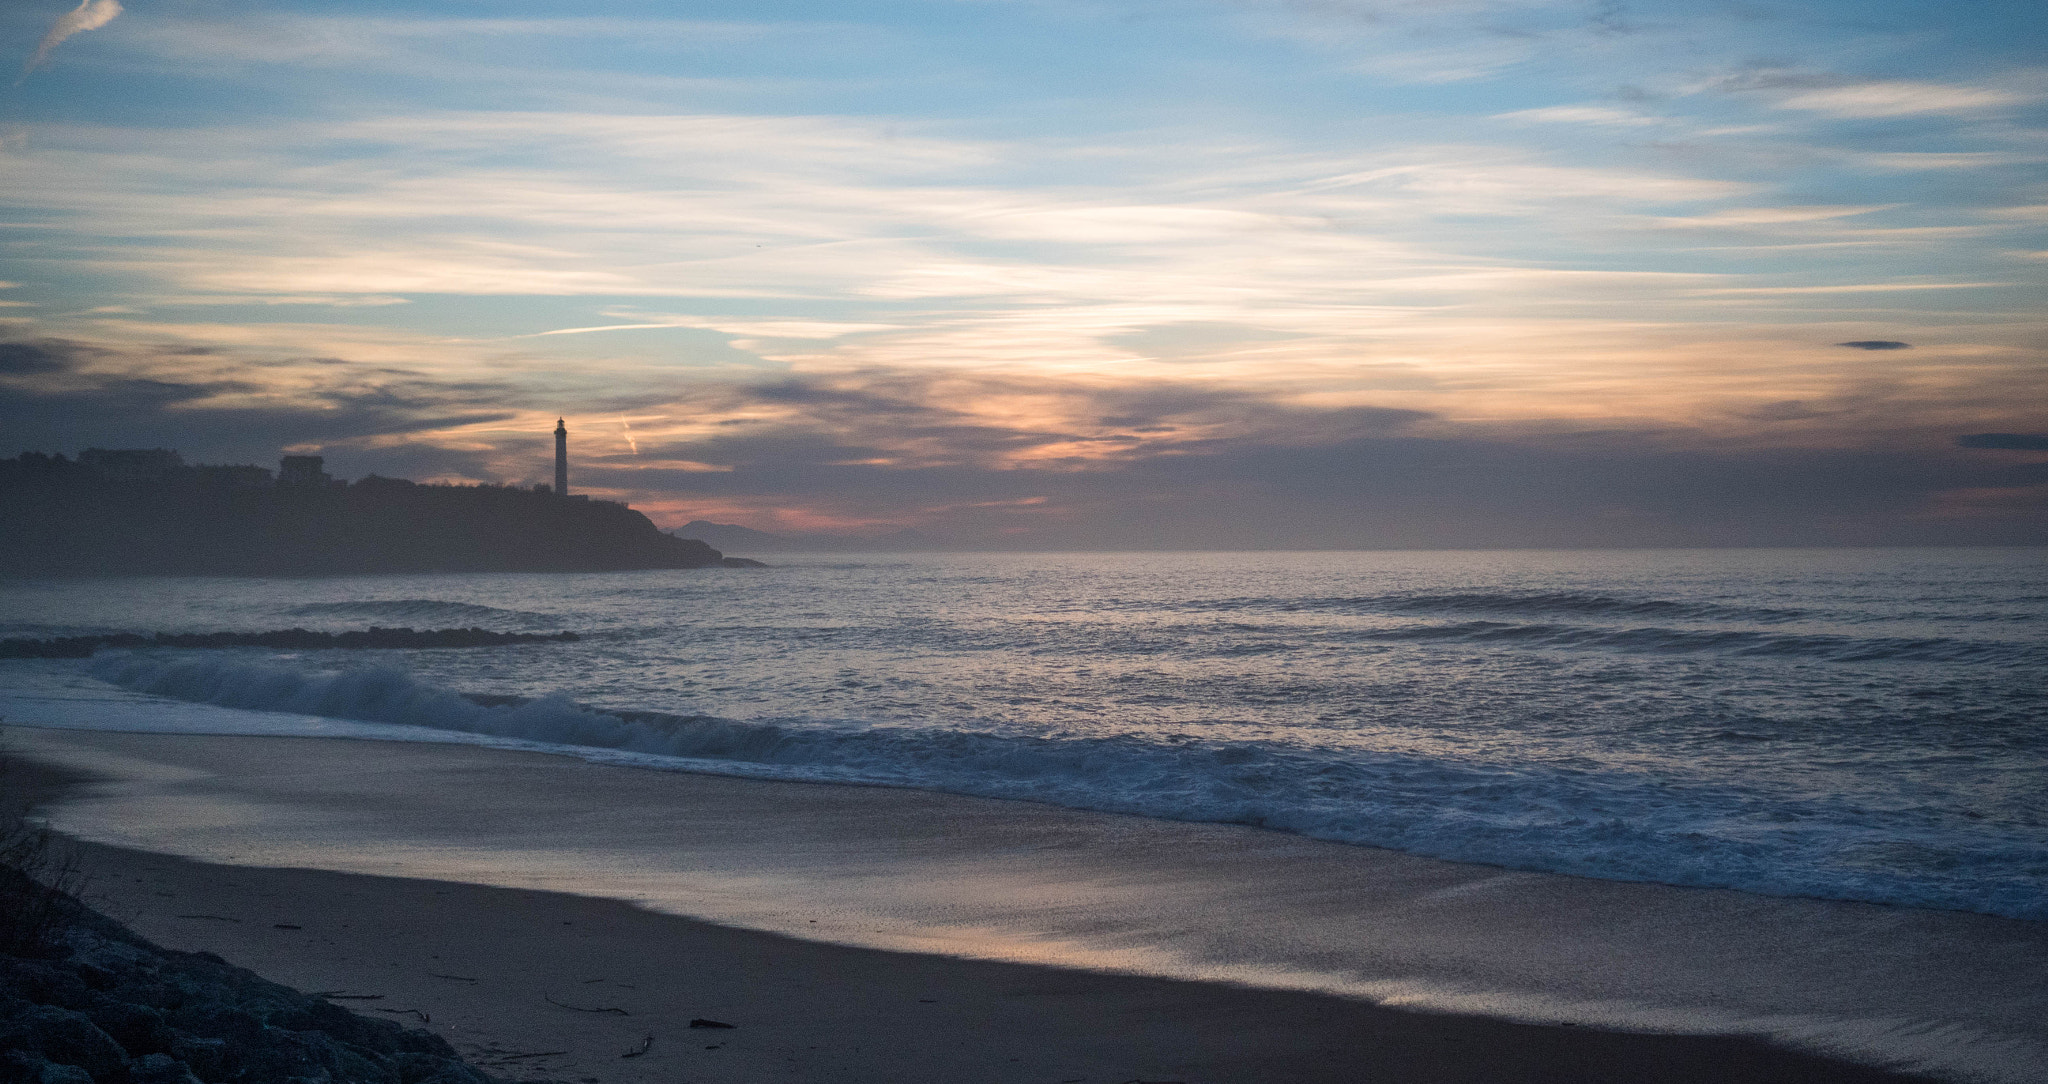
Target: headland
[[146, 512]]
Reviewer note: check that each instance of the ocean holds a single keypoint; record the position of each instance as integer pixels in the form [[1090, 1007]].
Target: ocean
[[1866, 725]]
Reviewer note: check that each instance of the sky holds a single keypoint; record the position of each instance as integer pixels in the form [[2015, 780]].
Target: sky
[[1060, 274]]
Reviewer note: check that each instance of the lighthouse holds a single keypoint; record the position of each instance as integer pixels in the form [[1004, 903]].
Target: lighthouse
[[561, 458]]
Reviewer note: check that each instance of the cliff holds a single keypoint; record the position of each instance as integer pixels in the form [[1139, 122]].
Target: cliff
[[66, 518]]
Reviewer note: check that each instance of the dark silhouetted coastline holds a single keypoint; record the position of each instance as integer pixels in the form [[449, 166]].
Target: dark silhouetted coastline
[[148, 513]]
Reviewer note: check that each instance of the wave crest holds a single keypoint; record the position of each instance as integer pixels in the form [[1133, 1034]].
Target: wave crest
[[422, 610], [1621, 825]]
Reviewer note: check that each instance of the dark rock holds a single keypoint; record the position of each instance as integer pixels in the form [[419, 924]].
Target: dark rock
[[279, 1054], [218, 1021], [314, 1015], [207, 1057], [99, 1005], [145, 991], [138, 1028], [40, 982], [160, 1069], [66, 1038], [29, 1069], [20, 1067]]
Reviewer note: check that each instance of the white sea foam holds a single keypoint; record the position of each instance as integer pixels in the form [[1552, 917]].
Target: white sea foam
[[1853, 724], [1612, 822], [1860, 725]]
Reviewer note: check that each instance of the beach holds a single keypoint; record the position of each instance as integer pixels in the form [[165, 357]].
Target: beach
[[522, 904]]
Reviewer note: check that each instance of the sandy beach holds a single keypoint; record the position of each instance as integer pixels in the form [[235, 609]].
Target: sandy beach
[[389, 872], [538, 985]]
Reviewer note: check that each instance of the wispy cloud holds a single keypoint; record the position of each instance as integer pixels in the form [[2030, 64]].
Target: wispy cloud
[[1900, 98], [338, 301], [1749, 217], [1603, 115], [599, 327], [1856, 288], [876, 252], [1932, 160], [439, 47], [88, 15]]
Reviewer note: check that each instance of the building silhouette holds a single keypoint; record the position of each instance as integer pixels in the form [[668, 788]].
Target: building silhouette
[[302, 470], [561, 458]]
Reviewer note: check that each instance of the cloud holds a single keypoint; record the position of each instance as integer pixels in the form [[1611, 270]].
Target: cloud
[[1876, 344], [1789, 410], [931, 246], [1599, 486], [601, 327], [1913, 161], [1899, 98], [24, 358], [88, 15], [2018, 442], [339, 301], [1194, 340], [1854, 288], [1580, 114], [1747, 217], [1050, 461], [63, 395], [448, 48]]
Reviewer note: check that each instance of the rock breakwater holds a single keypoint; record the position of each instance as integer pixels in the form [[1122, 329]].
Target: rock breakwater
[[87, 1001]]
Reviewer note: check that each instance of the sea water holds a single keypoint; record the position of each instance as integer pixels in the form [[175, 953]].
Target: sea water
[[1860, 725]]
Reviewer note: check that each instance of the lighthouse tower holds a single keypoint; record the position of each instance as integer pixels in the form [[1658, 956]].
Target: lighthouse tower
[[561, 458]]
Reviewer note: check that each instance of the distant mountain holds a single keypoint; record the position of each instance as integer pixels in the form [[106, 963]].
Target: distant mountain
[[733, 538]]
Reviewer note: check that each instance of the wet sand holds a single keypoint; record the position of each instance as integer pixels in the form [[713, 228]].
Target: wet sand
[[539, 985], [505, 969]]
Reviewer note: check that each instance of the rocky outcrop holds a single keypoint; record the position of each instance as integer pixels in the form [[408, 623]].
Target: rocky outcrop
[[90, 1002]]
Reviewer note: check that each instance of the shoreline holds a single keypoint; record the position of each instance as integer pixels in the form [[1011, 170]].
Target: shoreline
[[1164, 1027], [812, 1011], [804, 1010]]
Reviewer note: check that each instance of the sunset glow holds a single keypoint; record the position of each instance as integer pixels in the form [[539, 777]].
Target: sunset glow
[[1229, 274]]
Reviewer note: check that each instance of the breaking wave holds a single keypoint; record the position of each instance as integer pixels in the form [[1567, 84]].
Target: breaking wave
[[420, 610], [1610, 822]]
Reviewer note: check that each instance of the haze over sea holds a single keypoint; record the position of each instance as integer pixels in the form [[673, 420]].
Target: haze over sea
[[1847, 724]]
